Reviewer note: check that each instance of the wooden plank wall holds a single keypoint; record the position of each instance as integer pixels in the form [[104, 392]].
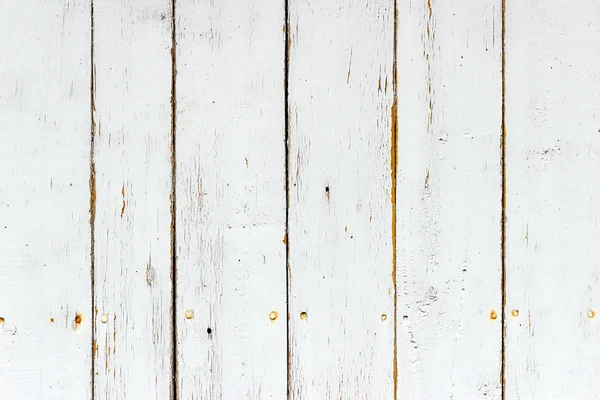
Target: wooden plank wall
[[345, 199]]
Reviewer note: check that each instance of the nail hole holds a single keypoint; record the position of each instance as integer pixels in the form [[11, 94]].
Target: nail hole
[[303, 315], [273, 315], [327, 189], [515, 313], [52, 320], [104, 318], [78, 319], [383, 317], [493, 314], [1, 320], [209, 331], [591, 314], [189, 314]]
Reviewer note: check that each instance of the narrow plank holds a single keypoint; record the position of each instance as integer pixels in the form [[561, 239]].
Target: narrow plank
[[231, 270], [449, 199], [553, 192], [44, 200], [132, 64], [340, 210]]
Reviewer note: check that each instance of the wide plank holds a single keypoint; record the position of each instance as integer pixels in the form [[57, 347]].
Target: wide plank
[[341, 270], [449, 198], [552, 196], [45, 279], [230, 151], [133, 186]]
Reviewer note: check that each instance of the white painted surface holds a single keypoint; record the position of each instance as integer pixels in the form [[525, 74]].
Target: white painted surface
[[231, 200], [44, 200], [449, 199], [553, 192], [132, 63], [341, 56], [230, 215]]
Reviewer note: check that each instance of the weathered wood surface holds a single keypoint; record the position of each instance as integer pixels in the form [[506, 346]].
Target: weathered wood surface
[[299, 199], [341, 273], [449, 199], [552, 197], [132, 189], [45, 285], [231, 271]]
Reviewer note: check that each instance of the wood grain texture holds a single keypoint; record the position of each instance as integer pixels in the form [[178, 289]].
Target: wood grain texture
[[340, 239], [132, 64], [449, 199], [553, 192], [231, 200], [44, 196]]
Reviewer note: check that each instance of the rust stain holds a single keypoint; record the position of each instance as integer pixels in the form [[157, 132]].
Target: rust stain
[[95, 347], [52, 320], [379, 85], [493, 314], [107, 352], [284, 239], [124, 202], [349, 67], [78, 318], [2, 320]]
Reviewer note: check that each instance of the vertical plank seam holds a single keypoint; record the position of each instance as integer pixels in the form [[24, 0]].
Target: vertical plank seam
[[286, 72], [174, 369], [503, 217], [92, 205], [394, 172]]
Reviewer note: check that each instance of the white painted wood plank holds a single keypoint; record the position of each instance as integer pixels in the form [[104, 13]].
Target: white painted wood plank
[[44, 200], [340, 226], [553, 192], [231, 270], [449, 199], [132, 61]]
